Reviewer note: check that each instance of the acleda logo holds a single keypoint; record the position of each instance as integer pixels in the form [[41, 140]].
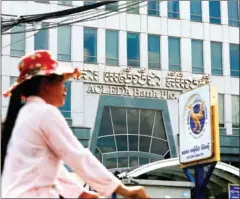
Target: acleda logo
[[195, 116]]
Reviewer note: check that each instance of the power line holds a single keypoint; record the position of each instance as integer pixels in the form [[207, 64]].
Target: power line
[[74, 22], [104, 15], [51, 15]]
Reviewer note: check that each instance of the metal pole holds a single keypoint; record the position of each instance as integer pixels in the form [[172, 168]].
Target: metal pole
[[199, 181]]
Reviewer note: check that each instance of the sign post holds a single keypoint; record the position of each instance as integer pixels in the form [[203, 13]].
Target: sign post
[[199, 134]]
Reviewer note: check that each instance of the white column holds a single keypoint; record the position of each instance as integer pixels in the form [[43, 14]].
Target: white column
[[144, 50], [164, 53], [205, 11], [163, 8], [207, 57], [123, 48], [101, 52], [29, 42], [77, 101], [224, 12], [186, 55], [226, 59], [184, 8], [77, 43], [53, 41]]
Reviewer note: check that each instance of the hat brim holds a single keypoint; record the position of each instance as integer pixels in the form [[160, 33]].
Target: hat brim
[[59, 70]]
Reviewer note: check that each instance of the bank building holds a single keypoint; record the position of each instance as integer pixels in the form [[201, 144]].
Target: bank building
[[137, 57]]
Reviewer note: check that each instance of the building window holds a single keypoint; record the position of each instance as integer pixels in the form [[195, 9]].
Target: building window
[[197, 56], [215, 12], [112, 6], [153, 52], [112, 48], [133, 49], [64, 43], [17, 47], [216, 58], [233, 13], [174, 54], [131, 132], [42, 1], [41, 38], [66, 108], [235, 111], [196, 10], [173, 9], [133, 7], [153, 8], [88, 2], [234, 60], [90, 45], [65, 3], [221, 110]]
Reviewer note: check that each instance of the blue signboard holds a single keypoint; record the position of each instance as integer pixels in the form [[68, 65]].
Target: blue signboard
[[234, 191]]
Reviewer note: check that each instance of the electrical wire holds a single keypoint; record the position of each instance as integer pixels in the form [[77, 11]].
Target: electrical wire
[[71, 23], [85, 19]]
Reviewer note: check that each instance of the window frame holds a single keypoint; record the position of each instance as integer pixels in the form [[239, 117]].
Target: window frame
[[139, 50], [96, 57]]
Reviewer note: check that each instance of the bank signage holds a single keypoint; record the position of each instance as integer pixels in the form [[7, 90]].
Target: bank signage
[[140, 83], [234, 191], [195, 125]]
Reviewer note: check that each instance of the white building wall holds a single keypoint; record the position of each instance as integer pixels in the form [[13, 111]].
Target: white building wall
[[84, 106]]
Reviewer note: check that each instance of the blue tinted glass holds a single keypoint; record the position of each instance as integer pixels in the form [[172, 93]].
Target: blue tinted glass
[[216, 58], [173, 9], [233, 13], [133, 7], [17, 47], [64, 43], [174, 54], [89, 2], [133, 48], [215, 12], [106, 123], [153, 8], [122, 144], [90, 45], [143, 161], [111, 6], [196, 10], [234, 60], [41, 38], [66, 108], [122, 162], [112, 48], [197, 56], [153, 52], [110, 163], [106, 144]]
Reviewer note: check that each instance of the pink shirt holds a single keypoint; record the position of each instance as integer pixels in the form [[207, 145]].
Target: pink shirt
[[40, 142]]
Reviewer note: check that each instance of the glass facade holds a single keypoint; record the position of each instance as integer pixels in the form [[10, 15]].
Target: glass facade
[[17, 47], [234, 60], [197, 56], [112, 47], [153, 8], [130, 137], [233, 13], [173, 9], [133, 49], [196, 10], [65, 3], [66, 108], [132, 7], [111, 6], [64, 43], [174, 54], [216, 58], [153, 52], [41, 38], [235, 111], [90, 45], [215, 12]]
